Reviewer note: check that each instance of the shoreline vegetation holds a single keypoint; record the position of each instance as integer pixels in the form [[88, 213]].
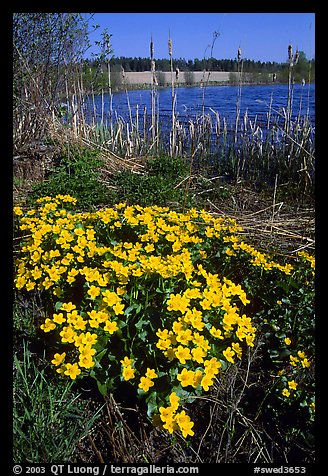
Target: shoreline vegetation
[[143, 79], [164, 277]]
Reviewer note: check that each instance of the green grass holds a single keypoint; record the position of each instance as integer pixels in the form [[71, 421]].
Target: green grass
[[77, 174], [49, 417]]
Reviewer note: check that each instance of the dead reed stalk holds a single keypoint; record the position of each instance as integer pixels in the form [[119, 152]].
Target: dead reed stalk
[[173, 103]]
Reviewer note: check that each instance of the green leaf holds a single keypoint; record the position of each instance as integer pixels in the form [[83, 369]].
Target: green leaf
[[101, 343], [152, 404], [143, 335], [99, 356], [102, 387], [58, 305], [142, 323], [121, 324]]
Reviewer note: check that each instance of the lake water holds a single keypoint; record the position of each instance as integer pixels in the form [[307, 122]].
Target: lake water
[[255, 100]]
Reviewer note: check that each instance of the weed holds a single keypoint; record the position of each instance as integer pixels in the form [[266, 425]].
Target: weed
[[77, 174], [48, 416]]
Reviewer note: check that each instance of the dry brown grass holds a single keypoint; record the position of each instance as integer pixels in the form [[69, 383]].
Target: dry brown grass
[[224, 433], [281, 226]]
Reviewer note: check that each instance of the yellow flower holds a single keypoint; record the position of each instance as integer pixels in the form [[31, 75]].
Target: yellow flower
[[182, 354], [36, 273], [176, 302], [167, 417], [186, 377], [200, 341], [197, 354], [89, 339], [93, 292], [20, 282], [216, 333], [287, 341], [212, 367], [30, 285], [80, 323], [86, 361], [174, 401], [163, 344], [306, 363], [79, 231], [151, 373], [67, 334], [237, 348], [286, 392], [206, 382], [58, 318], [145, 383], [18, 211], [184, 336], [58, 359], [48, 325], [110, 327], [228, 354], [71, 276], [126, 361], [128, 373], [118, 308], [78, 340], [166, 413], [72, 370], [68, 306], [185, 424], [293, 360], [292, 385], [72, 317], [110, 298]]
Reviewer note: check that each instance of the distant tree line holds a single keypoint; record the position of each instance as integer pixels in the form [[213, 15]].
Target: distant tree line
[[138, 64], [98, 70], [213, 64]]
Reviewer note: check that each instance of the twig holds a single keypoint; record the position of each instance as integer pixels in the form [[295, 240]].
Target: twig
[[274, 200], [95, 449]]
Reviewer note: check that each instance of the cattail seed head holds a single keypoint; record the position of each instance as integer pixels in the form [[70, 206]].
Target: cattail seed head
[[170, 47], [290, 53], [296, 57], [151, 47]]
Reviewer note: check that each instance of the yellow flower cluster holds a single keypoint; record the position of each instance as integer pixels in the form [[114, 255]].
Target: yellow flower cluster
[[305, 255], [128, 372], [292, 385], [146, 381], [257, 258], [73, 325], [300, 360], [202, 312], [104, 254], [176, 421]]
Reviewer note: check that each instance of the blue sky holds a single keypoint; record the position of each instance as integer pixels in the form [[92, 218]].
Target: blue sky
[[261, 36]]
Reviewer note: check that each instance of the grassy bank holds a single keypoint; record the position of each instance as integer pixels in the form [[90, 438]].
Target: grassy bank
[[250, 402], [164, 284], [256, 400]]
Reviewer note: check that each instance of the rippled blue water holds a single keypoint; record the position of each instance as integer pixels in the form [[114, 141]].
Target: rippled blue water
[[255, 100]]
